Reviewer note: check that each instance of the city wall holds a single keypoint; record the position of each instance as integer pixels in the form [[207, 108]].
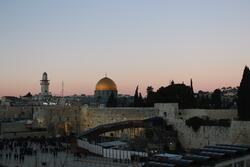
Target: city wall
[[58, 119], [237, 133], [92, 117], [19, 129], [10, 113], [211, 113], [83, 118]]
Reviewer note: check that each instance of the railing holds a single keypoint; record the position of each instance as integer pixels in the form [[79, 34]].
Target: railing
[[109, 153]]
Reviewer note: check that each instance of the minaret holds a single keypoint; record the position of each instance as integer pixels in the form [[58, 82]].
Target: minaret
[[44, 85]]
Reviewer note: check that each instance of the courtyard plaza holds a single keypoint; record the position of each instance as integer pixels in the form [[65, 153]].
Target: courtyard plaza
[[42, 152]]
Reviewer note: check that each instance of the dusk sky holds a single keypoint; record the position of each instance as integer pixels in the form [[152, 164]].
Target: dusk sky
[[136, 42]]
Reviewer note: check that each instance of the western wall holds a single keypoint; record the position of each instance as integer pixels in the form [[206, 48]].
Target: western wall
[[92, 117], [84, 117]]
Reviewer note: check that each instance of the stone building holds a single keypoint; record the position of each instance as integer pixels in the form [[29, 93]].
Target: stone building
[[44, 95]]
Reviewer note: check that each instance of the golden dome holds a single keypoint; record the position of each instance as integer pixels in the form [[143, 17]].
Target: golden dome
[[106, 84]]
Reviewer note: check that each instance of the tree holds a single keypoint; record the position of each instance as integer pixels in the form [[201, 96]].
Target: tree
[[191, 86], [140, 101], [244, 96], [176, 93], [203, 102], [216, 99], [112, 102], [192, 100], [150, 90], [150, 100], [136, 97]]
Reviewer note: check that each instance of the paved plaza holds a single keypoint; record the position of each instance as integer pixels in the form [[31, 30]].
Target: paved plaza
[[62, 160], [42, 153]]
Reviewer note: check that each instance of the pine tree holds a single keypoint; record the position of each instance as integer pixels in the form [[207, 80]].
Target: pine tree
[[244, 96]]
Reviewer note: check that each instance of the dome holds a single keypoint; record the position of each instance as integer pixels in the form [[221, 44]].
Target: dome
[[106, 84], [45, 76]]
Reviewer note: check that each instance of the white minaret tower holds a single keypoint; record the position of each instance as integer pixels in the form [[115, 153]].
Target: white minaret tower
[[44, 85]]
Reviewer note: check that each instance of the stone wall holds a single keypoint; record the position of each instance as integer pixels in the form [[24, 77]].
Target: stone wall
[[237, 133], [79, 119], [240, 132], [19, 129], [167, 110], [58, 118], [13, 127], [92, 117], [210, 113], [8, 113], [171, 110], [83, 118], [206, 135]]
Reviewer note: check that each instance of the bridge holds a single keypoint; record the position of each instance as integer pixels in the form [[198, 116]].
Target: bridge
[[91, 139], [147, 123]]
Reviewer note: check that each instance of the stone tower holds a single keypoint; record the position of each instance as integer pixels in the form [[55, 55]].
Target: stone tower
[[44, 85]]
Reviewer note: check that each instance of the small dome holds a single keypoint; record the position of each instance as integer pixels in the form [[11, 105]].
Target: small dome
[[106, 84], [45, 76]]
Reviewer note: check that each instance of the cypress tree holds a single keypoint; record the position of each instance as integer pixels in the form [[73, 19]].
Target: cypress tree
[[136, 97], [193, 100], [140, 100], [244, 96], [191, 86]]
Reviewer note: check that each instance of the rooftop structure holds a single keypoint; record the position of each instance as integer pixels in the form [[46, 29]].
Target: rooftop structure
[[220, 155]]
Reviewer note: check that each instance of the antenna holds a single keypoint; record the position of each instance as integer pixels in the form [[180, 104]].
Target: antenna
[[62, 88]]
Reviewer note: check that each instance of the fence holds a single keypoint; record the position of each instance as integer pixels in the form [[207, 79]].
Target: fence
[[109, 153]]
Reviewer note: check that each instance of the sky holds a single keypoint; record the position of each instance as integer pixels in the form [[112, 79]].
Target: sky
[[136, 42]]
